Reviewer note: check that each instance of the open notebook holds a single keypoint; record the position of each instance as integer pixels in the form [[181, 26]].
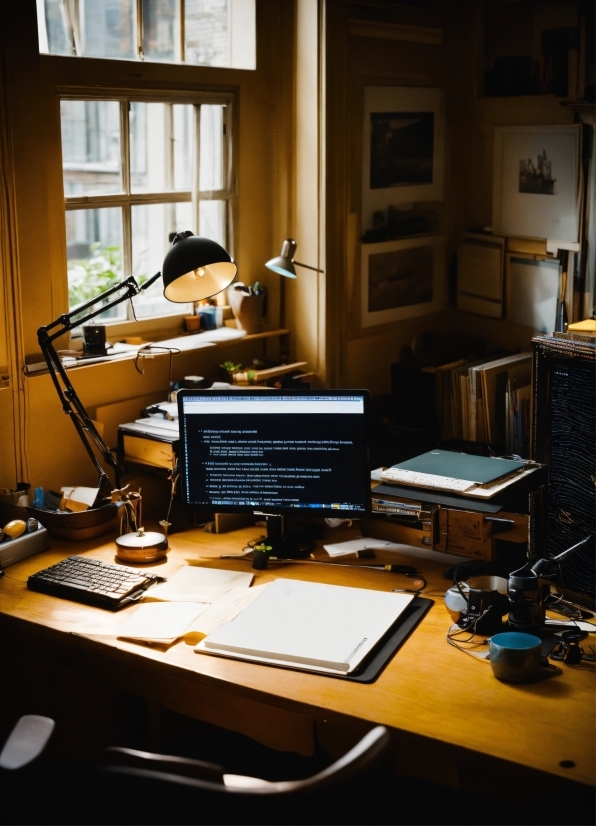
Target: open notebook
[[307, 625]]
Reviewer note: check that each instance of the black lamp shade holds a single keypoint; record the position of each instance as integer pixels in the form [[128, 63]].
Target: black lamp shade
[[284, 263], [196, 268]]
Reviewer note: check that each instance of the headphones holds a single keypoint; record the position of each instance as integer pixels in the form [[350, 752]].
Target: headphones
[[478, 600]]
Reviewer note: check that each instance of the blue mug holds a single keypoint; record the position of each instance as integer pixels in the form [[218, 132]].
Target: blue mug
[[515, 657]]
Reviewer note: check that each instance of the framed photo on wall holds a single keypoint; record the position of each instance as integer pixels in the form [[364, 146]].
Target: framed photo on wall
[[536, 182], [402, 279], [403, 148]]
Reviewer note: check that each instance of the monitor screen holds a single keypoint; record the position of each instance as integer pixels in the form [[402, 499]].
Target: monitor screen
[[278, 452]]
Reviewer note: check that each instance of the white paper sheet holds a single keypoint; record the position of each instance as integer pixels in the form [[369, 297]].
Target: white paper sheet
[[160, 622], [193, 583], [352, 546]]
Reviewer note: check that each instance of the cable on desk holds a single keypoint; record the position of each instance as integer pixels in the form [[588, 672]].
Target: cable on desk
[[406, 570]]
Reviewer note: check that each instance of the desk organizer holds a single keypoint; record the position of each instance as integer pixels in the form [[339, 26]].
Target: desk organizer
[[80, 525], [13, 550]]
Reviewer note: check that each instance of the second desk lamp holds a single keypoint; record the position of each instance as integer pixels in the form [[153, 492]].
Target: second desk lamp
[[284, 262]]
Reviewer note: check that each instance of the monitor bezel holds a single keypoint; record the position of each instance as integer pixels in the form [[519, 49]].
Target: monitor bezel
[[298, 513]]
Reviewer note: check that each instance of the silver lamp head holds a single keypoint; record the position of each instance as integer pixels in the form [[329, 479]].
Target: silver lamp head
[[284, 263]]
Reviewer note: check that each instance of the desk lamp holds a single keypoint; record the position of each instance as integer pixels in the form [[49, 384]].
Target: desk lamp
[[284, 263], [194, 268]]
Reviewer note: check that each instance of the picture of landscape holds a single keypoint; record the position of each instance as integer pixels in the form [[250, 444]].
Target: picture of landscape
[[401, 149], [400, 278]]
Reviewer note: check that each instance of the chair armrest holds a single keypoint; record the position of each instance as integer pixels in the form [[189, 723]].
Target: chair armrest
[[184, 766], [27, 741]]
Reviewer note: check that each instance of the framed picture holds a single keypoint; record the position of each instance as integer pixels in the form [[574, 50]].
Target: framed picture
[[401, 279], [533, 286], [480, 269], [536, 182], [403, 149]]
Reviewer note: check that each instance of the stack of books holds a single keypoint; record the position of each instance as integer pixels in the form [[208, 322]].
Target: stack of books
[[486, 401]]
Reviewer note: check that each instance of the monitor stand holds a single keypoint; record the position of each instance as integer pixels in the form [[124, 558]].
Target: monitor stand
[[285, 543]]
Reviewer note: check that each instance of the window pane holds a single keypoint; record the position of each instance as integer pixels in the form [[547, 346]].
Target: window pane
[[107, 28], [90, 146], [151, 227], [160, 29], [183, 131], [212, 221], [207, 32], [94, 249], [161, 141], [211, 171], [57, 27]]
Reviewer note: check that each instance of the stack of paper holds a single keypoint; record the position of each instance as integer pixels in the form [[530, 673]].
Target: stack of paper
[[191, 603]]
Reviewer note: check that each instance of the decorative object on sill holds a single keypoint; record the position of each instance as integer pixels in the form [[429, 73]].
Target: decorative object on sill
[[94, 339], [194, 268], [192, 323], [210, 315], [248, 306], [284, 262]]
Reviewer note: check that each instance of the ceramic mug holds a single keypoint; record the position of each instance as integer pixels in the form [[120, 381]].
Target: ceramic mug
[[515, 657]]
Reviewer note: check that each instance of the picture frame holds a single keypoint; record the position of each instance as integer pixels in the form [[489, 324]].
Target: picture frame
[[403, 148], [480, 274], [533, 291], [536, 182], [402, 279]]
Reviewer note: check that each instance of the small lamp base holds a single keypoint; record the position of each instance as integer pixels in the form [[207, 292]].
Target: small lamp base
[[140, 547]]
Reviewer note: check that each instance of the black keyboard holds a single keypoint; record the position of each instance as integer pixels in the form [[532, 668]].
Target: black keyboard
[[95, 583]]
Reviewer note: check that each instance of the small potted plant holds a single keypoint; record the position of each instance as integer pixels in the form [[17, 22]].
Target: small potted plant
[[260, 556], [228, 368]]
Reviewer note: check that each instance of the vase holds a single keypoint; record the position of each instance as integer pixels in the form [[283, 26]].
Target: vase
[[248, 309]]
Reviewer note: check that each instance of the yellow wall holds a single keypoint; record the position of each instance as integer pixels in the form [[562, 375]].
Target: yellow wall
[[54, 455], [299, 150]]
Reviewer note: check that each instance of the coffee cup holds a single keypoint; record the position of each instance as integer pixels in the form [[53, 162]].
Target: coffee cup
[[515, 657]]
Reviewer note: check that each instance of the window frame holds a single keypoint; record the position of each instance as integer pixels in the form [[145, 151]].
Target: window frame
[[126, 199]]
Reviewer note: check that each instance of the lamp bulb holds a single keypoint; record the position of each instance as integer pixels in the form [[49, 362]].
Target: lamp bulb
[[200, 272]]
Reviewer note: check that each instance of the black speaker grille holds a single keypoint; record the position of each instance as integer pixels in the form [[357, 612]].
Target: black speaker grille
[[572, 470]]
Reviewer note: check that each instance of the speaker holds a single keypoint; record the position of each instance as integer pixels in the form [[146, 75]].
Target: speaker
[[564, 416]]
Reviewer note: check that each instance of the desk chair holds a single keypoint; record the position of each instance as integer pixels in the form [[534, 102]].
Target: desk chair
[[130, 786]]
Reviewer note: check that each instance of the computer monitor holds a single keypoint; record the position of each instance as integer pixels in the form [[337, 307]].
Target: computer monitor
[[277, 453]]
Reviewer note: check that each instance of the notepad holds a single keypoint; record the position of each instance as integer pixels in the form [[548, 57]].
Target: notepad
[[308, 625]]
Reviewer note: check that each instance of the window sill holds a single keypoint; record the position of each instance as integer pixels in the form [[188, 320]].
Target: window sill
[[191, 342]]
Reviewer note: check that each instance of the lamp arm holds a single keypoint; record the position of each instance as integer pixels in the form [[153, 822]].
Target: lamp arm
[[71, 404], [307, 266]]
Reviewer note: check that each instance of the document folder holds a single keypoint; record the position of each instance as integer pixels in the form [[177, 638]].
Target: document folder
[[328, 629]]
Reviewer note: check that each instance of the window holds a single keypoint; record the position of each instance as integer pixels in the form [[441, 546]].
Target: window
[[136, 171], [199, 32]]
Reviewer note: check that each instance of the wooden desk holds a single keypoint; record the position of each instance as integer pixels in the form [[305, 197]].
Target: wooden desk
[[452, 720]]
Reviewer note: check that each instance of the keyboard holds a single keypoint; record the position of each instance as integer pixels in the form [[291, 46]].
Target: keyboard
[[93, 582], [400, 476]]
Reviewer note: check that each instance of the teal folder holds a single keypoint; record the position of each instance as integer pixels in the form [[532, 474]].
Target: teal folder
[[478, 469]]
